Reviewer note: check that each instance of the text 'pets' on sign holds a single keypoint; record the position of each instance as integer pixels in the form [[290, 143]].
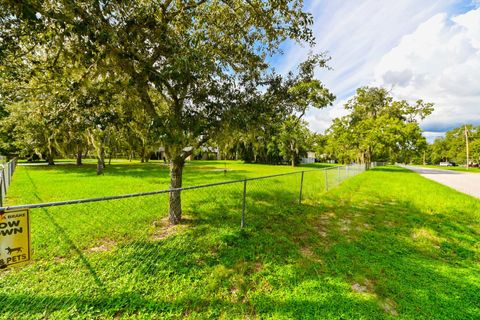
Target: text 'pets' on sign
[[14, 238]]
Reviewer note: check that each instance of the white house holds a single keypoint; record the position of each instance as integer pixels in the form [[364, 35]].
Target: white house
[[310, 157]]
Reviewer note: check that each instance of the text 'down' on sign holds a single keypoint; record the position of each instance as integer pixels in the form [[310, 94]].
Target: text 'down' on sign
[[14, 238]]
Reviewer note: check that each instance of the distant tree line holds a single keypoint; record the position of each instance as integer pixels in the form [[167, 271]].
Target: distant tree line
[[377, 128], [268, 127], [453, 146]]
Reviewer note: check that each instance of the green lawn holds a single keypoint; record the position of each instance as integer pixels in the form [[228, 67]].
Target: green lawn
[[35, 183], [386, 243]]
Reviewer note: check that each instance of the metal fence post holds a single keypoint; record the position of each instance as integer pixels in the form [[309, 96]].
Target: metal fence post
[[339, 179], [301, 187], [1, 189], [244, 203], [326, 179], [3, 186], [7, 177]]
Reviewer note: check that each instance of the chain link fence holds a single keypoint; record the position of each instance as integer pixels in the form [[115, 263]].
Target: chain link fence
[[7, 169], [118, 256]]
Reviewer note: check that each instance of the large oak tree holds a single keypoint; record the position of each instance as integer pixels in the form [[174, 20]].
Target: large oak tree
[[378, 128], [191, 65]]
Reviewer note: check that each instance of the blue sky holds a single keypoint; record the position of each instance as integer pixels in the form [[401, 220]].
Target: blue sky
[[424, 49]]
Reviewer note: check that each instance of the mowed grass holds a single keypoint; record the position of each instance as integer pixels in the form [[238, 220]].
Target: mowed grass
[[387, 243], [41, 183]]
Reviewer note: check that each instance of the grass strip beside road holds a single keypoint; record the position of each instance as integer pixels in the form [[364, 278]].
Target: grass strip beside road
[[458, 168]]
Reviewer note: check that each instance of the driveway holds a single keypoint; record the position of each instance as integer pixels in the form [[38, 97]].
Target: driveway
[[465, 182]]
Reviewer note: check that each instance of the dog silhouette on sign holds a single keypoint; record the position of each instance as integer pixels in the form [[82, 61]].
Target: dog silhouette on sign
[[11, 250]]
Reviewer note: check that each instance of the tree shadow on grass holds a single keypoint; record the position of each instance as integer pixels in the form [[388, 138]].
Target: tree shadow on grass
[[193, 175], [423, 262], [132, 305], [391, 169], [343, 257]]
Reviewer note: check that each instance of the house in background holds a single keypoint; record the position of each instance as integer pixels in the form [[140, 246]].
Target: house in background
[[204, 153], [310, 157]]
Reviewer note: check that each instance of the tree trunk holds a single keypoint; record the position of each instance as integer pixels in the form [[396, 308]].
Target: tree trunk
[[79, 155], [368, 160], [50, 160], [175, 201], [292, 151], [99, 167], [100, 159]]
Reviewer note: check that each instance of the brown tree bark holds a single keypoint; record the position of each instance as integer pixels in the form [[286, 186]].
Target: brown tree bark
[[101, 160], [50, 159], [142, 154], [79, 155], [50, 152], [175, 201]]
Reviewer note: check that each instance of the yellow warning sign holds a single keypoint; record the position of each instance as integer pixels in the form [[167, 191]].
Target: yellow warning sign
[[14, 238]]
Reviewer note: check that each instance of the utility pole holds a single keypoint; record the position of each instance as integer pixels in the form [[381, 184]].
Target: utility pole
[[466, 143]]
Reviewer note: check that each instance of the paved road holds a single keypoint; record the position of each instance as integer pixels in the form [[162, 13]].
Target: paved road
[[468, 183]]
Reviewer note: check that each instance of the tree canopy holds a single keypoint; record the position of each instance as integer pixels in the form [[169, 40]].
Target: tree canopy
[[378, 128], [452, 147], [174, 73]]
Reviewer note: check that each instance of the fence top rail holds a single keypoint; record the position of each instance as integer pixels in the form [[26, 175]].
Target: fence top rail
[[140, 194]]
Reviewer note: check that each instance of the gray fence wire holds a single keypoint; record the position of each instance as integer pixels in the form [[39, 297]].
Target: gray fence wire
[[6, 173], [117, 256]]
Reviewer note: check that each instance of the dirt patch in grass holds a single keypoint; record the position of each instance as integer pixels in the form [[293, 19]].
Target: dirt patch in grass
[[368, 287], [425, 234], [363, 227], [322, 223], [307, 252], [345, 225], [390, 307], [426, 237], [106, 245], [234, 293], [118, 314], [59, 259], [163, 228], [358, 288]]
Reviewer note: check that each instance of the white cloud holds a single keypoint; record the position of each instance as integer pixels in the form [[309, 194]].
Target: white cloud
[[321, 120], [431, 136], [357, 33], [438, 62], [360, 37]]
